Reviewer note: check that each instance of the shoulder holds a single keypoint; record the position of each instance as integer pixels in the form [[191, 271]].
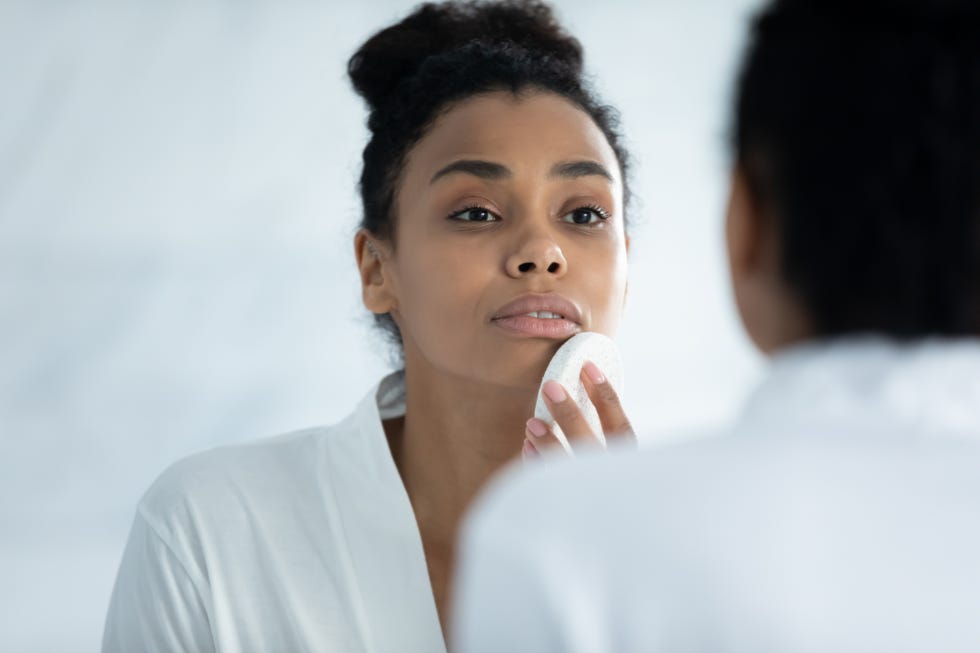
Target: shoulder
[[726, 489], [586, 480], [260, 475], [659, 492]]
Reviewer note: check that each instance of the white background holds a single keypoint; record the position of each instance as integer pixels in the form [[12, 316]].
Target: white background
[[177, 203]]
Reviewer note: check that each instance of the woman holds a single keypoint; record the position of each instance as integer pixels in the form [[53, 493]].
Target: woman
[[493, 190]]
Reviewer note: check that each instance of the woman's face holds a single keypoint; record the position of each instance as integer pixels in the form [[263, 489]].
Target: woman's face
[[509, 213]]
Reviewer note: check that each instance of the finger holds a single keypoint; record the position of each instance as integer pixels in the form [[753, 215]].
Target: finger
[[567, 415], [528, 452], [540, 436], [603, 395]]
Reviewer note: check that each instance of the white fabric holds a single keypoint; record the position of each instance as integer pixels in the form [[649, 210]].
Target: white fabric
[[840, 513], [303, 542]]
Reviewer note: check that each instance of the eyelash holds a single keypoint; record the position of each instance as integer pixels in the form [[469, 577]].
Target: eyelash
[[598, 210], [455, 215], [602, 214]]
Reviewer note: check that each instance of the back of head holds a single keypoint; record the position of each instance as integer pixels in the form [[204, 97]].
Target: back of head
[[857, 127]]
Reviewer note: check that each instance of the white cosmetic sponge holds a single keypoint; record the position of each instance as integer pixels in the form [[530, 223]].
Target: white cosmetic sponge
[[565, 368]]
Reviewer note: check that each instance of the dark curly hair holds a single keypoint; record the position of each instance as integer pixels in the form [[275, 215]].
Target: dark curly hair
[[413, 71], [857, 126]]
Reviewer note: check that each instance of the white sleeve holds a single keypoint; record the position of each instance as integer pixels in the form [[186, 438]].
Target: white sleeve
[[157, 604]]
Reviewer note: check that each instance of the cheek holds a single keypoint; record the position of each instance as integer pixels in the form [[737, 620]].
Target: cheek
[[439, 296], [605, 284]]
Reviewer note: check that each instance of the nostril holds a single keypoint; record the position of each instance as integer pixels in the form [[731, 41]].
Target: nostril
[[553, 268], [525, 267]]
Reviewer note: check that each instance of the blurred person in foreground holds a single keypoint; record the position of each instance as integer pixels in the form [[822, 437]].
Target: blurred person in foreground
[[841, 511]]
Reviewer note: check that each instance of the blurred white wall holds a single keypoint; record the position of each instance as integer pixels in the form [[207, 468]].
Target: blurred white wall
[[177, 201]]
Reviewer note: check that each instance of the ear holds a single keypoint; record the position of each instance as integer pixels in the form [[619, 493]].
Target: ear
[[772, 315], [749, 290], [743, 230], [377, 287]]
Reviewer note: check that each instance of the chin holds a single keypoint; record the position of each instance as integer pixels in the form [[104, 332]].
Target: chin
[[517, 372]]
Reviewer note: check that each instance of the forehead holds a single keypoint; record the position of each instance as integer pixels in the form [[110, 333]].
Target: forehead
[[526, 131]]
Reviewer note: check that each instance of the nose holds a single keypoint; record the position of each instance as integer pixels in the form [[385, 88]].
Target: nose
[[539, 254]]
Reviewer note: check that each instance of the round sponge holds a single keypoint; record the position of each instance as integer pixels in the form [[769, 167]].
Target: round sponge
[[565, 368]]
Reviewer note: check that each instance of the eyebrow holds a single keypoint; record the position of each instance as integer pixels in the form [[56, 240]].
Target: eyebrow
[[495, 171], [481, 169], [574, 169]]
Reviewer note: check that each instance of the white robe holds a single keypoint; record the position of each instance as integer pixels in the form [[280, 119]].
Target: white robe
[[840, 513], [303, 542]]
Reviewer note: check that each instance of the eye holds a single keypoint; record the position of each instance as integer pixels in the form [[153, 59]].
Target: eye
[[474, 214], [586, 215]]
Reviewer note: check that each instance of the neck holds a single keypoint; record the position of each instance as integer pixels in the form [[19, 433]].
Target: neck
[[455, 435]]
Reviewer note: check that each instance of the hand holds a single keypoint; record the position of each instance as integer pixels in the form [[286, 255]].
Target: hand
[[538, 437]]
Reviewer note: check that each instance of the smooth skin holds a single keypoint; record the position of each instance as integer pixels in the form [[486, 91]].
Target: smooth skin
[[506, 196]]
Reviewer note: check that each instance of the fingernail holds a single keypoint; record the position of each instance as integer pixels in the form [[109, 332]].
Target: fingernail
[[554, 391], [593, 372], [536, 427]]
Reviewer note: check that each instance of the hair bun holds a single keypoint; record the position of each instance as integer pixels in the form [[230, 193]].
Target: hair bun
[[397, 52]]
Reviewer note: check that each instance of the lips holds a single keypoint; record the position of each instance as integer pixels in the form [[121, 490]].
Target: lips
[[543, 316]]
